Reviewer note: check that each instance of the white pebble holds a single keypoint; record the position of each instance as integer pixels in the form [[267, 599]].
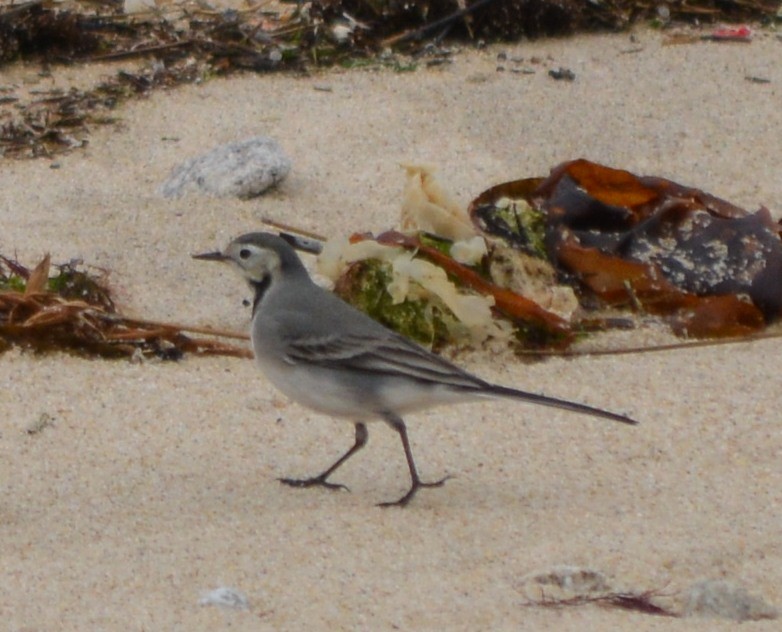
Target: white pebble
[[225, 598]]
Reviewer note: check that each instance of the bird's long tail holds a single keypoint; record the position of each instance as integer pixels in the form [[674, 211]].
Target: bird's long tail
[[532, 398]]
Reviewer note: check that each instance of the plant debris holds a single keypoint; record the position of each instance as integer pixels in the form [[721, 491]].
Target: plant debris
[[73, 311], [180, 42], [649, 244], [566, 586], [427, 321], [548, 260], [526, 313], [446, 286], [643, 602]]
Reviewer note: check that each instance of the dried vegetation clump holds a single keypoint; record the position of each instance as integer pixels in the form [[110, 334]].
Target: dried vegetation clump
[[538, 262], [556, 249], [72, 310], [548, 260], [186, 41]]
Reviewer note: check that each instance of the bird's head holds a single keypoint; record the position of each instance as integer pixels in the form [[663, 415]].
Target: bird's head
[[259, 257]]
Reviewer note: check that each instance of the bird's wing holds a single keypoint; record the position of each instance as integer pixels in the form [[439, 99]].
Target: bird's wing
[[390, 355], [395, 356]]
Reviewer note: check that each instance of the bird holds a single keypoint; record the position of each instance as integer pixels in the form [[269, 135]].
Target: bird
[[331, 357]]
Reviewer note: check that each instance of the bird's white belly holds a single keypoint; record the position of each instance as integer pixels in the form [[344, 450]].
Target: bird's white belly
[[321, 390], [311, 388]]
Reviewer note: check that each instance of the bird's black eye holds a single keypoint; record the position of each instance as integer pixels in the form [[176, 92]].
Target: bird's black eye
[[244, 253]]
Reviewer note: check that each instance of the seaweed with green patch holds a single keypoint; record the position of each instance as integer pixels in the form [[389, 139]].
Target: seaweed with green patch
[[520, 224], [427, 321], [75, 284]]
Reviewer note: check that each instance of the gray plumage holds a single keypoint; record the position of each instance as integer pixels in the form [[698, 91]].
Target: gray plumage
[[329, 356]]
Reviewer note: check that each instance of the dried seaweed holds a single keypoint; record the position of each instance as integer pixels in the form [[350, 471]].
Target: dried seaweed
[[73, 311], [180, 48], [650, 244], [184, 43], [365, 285], [573, 250], [537, 325], [642, 602], [411, 22], [37, 27]]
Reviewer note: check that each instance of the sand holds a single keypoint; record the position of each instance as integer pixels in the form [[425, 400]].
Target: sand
[[155, 483]]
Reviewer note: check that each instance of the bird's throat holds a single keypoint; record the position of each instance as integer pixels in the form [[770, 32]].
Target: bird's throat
[[260, 288]]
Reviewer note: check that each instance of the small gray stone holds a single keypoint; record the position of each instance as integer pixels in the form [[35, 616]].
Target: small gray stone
[[723, 599], [242, 169]]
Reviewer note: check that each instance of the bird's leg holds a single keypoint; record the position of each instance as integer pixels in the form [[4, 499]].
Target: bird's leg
[[398, 424], [320, 480]]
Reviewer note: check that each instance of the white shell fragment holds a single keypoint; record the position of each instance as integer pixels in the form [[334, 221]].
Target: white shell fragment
[[427, 206], [565, 582], [225, 598], [242, 169]]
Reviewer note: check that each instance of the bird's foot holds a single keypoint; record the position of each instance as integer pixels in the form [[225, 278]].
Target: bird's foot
[[417, 484], [315, 481]]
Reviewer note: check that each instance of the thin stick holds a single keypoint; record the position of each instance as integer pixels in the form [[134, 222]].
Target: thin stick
[[195, 329], [293, 229], [420, 32], [142, 51], [666, 347]]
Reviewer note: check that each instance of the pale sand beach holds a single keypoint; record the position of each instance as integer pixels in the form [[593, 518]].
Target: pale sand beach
[[156, 483]]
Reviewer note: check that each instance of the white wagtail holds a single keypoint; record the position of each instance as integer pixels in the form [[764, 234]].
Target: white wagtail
[[334, 359]]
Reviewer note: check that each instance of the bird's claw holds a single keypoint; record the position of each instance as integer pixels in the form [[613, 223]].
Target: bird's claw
[[412, 492], [315, 481]]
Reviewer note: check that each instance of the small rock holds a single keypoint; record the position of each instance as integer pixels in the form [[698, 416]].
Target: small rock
[[242, 169], [225, 598], [722, 599], [562, 74]]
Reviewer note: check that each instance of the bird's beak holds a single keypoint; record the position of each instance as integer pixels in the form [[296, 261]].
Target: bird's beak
[[211, 256]]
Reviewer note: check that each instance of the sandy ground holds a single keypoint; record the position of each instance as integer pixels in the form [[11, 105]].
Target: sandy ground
[[156, 482]]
